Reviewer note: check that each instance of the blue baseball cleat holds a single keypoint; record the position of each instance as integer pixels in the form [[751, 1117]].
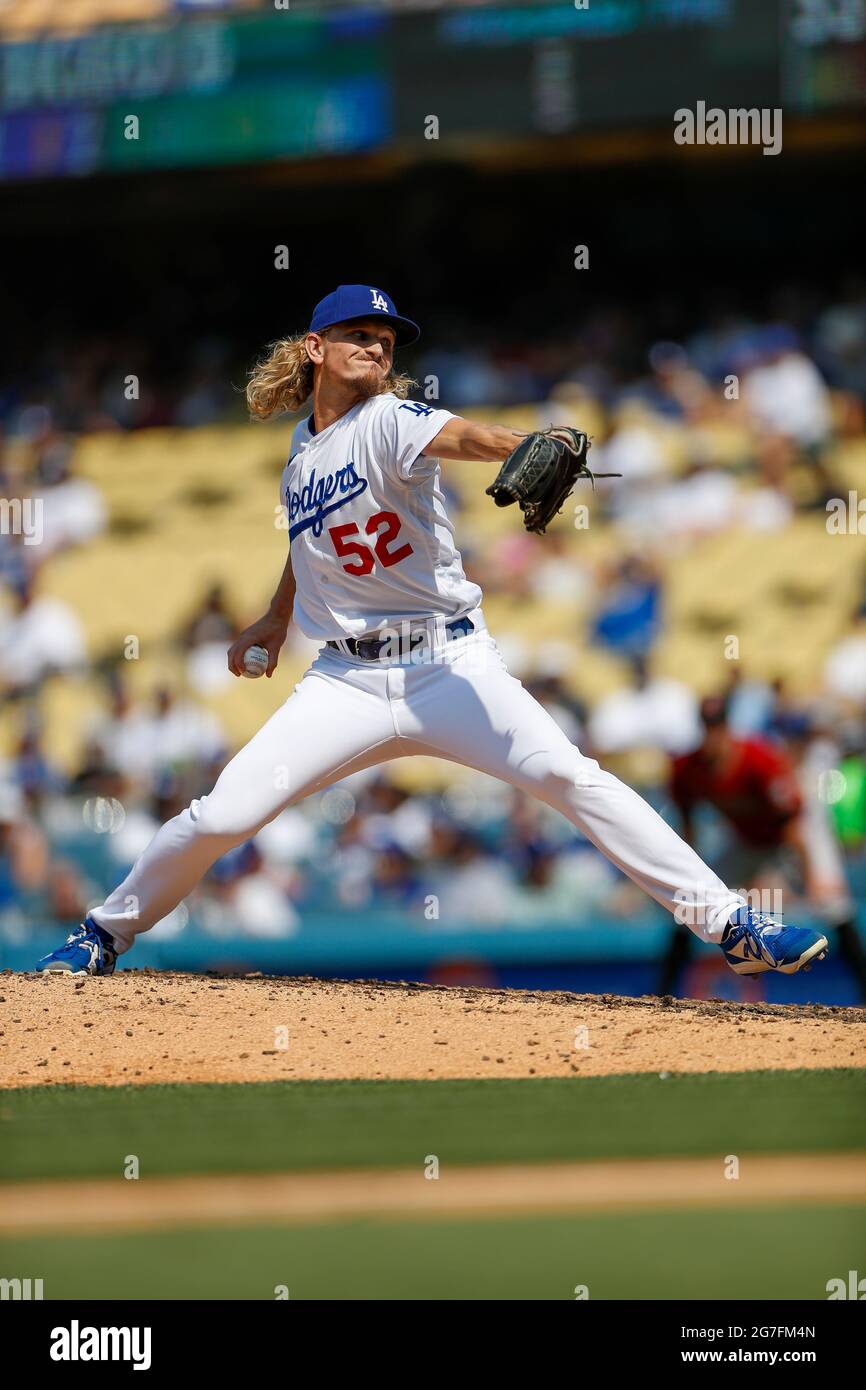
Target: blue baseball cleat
[[88, 951], [753, 943]]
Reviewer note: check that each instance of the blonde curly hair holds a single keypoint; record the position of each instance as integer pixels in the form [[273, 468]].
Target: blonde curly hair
[[283, 380]]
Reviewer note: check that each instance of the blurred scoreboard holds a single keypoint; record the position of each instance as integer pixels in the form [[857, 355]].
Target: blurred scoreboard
[[520, 69], [218, 88], [557, 69], [201, 90], [824, 62]]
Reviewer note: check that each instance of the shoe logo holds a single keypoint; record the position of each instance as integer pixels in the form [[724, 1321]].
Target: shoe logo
[[750, 948]]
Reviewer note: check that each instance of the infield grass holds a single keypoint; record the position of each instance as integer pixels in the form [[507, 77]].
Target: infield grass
[[761, 1253], [68, 1131]]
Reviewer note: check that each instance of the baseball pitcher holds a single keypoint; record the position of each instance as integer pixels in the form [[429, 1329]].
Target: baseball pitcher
[[406, 663]]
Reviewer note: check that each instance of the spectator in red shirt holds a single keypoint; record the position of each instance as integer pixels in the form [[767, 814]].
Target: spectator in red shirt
[[749, 780], [756, 787]]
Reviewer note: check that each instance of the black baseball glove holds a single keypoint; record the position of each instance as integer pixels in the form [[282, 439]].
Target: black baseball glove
[[541, 472]]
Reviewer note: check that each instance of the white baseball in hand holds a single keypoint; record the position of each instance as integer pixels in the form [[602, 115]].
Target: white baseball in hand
[[255, 662]]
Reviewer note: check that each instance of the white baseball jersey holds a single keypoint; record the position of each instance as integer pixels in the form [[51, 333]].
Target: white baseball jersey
[[371, 544], [371, 541]]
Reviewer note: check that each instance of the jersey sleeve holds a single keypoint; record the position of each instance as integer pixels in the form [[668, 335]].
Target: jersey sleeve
[[401, 432]]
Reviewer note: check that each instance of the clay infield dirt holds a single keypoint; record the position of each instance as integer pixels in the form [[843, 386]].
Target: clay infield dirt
[[481, 1190], [144, 1027]]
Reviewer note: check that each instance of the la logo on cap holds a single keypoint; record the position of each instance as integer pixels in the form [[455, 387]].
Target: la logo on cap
[[379, 301]]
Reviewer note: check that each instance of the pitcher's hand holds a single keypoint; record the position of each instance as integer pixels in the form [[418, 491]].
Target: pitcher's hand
[[268, 632]]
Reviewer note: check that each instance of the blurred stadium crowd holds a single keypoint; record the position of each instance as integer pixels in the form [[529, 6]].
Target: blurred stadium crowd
[[806, 346], [745, 429]]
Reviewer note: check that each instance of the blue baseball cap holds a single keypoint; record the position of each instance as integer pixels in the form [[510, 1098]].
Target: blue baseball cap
[[361, 302]]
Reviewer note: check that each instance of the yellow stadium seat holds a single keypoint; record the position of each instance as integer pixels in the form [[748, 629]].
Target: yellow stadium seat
[[189, 508]]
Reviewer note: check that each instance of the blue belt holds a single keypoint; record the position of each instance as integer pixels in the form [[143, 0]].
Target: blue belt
[[370, 648]]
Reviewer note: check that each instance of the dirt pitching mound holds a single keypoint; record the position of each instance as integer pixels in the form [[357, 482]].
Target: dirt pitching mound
[[142, 1027]]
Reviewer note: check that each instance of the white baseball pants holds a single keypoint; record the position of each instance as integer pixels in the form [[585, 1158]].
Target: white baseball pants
[[459, 703]]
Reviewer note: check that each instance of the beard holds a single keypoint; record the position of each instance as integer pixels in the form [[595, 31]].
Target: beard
[[372, 383]]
